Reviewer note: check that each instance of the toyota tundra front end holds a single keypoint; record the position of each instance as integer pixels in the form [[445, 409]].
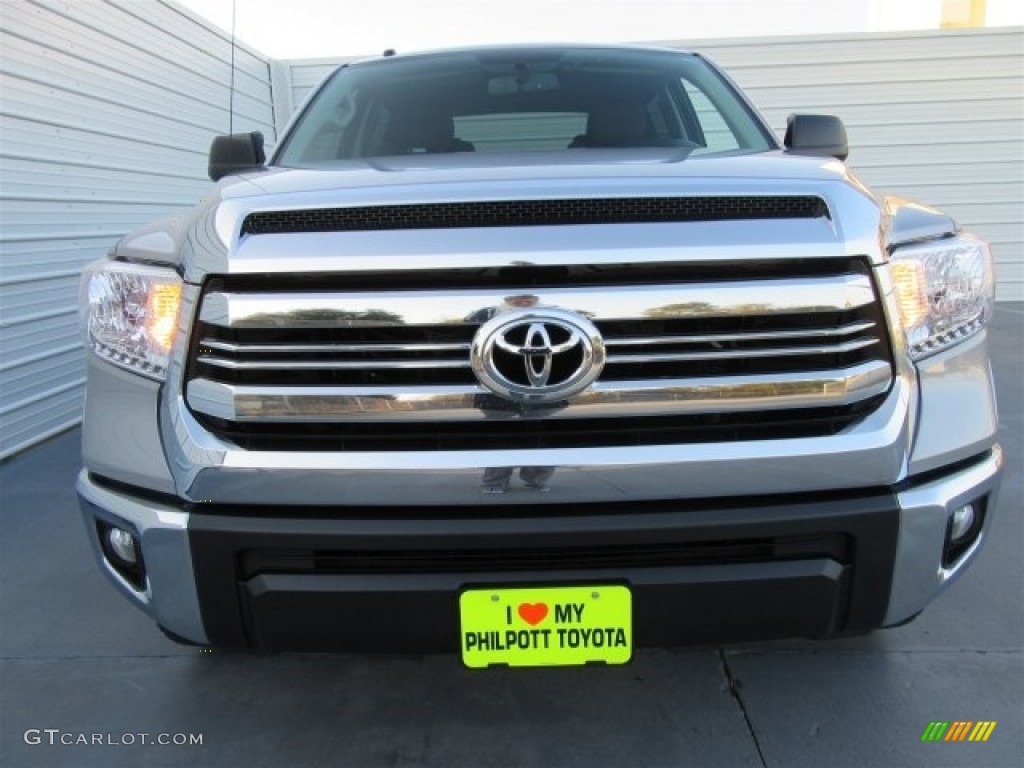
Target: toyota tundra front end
[[537, 355]]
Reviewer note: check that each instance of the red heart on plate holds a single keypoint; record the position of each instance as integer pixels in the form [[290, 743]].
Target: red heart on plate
[[533, 613]]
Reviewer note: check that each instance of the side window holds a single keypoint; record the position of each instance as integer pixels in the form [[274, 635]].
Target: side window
[[718, 136]]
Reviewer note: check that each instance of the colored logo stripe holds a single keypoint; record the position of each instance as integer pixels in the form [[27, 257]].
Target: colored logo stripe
[[958, 730], [982, 730]]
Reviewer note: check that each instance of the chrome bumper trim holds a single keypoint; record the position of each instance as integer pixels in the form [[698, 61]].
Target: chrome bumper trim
[[170, 596], [919, 576]]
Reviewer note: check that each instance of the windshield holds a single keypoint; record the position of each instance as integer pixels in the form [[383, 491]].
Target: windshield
[[506, 100]]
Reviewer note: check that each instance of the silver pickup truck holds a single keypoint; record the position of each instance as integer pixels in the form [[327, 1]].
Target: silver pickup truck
[[537, 355]]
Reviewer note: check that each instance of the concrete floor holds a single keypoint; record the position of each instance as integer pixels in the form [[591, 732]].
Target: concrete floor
[[78, 658]]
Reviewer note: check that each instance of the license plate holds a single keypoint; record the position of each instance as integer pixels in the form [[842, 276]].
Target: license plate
[[546, 626]]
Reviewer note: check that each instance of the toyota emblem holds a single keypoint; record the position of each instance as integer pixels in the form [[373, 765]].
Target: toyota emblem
[[539, 354]]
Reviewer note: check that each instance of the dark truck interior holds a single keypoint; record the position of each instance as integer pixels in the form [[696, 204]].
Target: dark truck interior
[[521, 101]]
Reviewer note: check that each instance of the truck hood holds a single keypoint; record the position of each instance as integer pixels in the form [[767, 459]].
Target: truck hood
[[209, 240], [476, 168]]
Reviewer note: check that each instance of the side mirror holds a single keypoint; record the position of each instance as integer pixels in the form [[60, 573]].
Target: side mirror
[[235, 153], [818, 135]]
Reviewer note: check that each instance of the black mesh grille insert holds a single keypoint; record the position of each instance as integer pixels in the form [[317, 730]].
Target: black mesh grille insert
[[491, 560], [532, 213]]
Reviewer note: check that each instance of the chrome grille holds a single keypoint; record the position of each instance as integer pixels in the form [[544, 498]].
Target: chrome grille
[[703, 359]]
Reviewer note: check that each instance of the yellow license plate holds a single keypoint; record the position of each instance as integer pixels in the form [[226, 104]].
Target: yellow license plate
[[546, 626]]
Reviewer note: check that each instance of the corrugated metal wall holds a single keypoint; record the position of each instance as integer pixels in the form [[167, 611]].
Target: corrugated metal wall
[[106, 112], [935, 116]]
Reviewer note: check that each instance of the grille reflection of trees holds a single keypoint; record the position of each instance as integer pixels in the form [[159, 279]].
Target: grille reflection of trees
[[321, 318]]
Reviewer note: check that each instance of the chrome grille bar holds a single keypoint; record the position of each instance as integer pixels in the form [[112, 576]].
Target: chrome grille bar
[[225, 346], [724, 354], [803, 296], [464, 362], [473, 403], [329, 365], [719, 338]]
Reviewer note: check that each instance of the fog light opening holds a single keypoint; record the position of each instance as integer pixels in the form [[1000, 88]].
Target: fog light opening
[[962, 531], [123, 545], [961, 522], [122, 551]]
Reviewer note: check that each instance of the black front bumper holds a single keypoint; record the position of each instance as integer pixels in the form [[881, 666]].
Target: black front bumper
[[388, 580]]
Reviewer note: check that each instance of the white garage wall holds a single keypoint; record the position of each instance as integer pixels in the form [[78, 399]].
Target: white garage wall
[[935, 116], [107, 109]]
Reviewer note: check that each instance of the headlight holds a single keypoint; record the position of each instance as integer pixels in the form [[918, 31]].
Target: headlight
[[130, 314], [944, 290]]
